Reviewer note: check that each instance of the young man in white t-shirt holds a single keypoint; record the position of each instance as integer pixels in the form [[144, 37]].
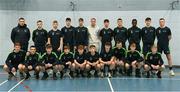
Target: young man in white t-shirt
[[93, 30]]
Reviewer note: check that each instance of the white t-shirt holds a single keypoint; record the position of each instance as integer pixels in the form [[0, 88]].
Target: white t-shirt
[[93, 34]]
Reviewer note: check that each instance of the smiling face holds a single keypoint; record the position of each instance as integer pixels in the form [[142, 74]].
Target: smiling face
[[32, 50], [148, 22]]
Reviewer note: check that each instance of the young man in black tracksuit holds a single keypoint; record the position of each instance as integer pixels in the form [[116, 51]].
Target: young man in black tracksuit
[[15, 61], [39, 37], [119, 54], [32, 62], [80, 60], [68, 34], [81, 34], [49, 60], [21, 34], [106, 35], [66, 62], [164, 35], [55, 38], [92, 66], [134, 35], [107, 61], [120, 33], [148, 36], [133, 61], [153, 62]]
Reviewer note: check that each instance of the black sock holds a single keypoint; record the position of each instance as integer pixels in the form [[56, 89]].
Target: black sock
[[170, 68]]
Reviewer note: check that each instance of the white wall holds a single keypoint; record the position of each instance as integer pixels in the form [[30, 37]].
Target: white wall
[[9, 20]]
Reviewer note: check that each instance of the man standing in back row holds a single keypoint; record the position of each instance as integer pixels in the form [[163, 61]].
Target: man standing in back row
[[40, 37], [134, 35], [93, 30], [68, 34], [21, 34], [164, 36]]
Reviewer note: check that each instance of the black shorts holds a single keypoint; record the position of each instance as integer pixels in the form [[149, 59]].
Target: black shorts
[[33, 66], [164, 48], [14, 66], [146, 48]]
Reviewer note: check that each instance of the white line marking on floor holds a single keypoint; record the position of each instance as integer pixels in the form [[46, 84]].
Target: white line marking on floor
[[112, 90], [16, 85], [3, 82]]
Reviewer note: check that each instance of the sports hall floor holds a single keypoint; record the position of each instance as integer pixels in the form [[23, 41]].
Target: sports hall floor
[[119, 84]]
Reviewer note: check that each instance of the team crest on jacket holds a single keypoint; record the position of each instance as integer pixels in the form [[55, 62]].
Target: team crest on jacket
[[52, 33], [159, 31], [14, 56], [65, 30], [25, 31], [151, 57], [146, 31], [37, 33]]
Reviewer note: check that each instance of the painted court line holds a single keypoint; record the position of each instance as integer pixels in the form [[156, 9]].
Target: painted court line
[[3, 82], [16, 85], [112, 90]]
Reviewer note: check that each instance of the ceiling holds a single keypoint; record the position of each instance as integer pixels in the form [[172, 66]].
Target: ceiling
[[87, 5]]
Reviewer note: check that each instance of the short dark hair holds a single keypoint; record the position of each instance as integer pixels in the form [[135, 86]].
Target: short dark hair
[[39, 21], [148, 19], [55, 21], [107, 44], [119, 19], [68, 19], [81, 19], [92, 46], [66, 47], [80, 47], [161, 19], [21, 18], [17, 44], [119, 41], [32, 46], [93, 19], [133, 44], [48, 46], [134, 20], [106, 20]]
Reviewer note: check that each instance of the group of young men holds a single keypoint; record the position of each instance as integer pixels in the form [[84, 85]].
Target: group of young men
[[76, 51]]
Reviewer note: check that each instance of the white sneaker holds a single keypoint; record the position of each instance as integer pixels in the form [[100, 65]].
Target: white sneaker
[[171, 73], [109, 75]]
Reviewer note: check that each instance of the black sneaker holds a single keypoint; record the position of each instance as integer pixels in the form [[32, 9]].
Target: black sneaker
[[10, 75], [54, 76], [36, 74], [129, 72], [21, 75], [159, 74], [148, 75], [27, 76], [138, 74], [45, 76]]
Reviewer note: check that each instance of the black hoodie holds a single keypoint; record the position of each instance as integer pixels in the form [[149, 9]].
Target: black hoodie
[[20, 34]]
